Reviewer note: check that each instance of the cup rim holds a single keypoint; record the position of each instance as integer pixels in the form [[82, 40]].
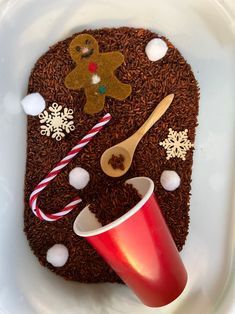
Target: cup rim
[[121, 219]]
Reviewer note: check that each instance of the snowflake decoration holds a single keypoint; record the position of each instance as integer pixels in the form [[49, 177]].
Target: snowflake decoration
[[56, 122], [176, 144]]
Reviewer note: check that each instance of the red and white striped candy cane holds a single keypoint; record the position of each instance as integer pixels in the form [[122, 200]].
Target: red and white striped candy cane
[[63, 163]]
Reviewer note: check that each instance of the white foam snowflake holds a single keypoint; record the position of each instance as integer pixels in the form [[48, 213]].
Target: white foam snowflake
[[176, 144], [56, 123]]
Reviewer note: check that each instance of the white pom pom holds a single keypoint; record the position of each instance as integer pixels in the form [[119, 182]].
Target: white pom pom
[[170, 180], [156, 49], [79, 178], [57, 255], [95, 79], [33, 104]]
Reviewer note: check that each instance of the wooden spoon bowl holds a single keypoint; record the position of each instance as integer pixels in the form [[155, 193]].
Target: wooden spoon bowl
[[127, 148]]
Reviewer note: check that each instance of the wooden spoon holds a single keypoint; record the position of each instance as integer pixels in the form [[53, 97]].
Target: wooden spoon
[[127, 148]]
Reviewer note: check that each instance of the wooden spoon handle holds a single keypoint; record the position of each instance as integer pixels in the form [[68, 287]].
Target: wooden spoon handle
[[155, 115]]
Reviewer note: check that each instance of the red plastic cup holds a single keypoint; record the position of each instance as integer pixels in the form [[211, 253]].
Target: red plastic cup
[[139, 247]]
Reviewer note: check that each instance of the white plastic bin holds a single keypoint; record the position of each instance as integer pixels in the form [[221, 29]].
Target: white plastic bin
[[204, 32]]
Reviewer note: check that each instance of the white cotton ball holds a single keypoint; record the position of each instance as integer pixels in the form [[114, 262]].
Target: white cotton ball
[[95, 79], [79, 178], [33, 104], [170, 180], [57, 255], [156, 49]]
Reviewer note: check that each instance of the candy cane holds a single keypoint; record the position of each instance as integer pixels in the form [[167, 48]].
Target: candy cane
[[54, 172]]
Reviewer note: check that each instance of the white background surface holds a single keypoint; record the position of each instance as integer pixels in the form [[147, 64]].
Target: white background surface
[[204, 32]]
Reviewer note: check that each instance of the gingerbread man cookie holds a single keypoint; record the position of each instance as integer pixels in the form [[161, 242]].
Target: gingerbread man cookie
[[95, 73]]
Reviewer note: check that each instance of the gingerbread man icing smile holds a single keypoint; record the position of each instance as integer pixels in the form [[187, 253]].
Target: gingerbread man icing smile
[[94, 72]]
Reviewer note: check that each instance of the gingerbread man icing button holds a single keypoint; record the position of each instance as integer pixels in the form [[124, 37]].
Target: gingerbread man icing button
[[94, 72]]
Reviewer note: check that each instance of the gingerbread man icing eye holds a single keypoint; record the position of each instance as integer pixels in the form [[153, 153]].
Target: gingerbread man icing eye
[[78, 48]]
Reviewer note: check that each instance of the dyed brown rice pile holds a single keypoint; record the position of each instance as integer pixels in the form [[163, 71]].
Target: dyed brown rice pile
[[117, 162], [151, 82], [114, 203]]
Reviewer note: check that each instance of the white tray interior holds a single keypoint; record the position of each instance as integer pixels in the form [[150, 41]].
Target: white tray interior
[[204, 32]]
